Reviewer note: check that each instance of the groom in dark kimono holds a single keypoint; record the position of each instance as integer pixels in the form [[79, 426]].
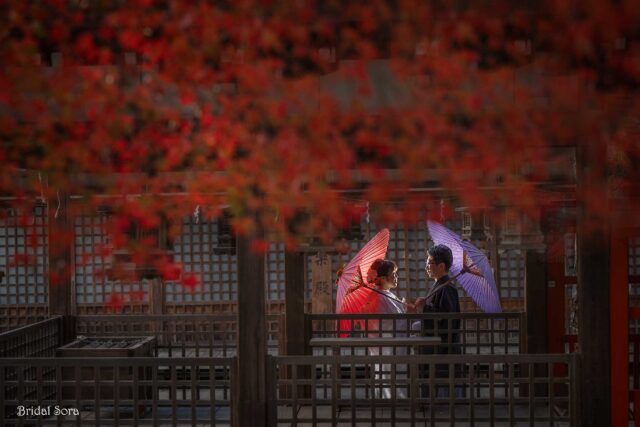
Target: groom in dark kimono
[[442, 298]]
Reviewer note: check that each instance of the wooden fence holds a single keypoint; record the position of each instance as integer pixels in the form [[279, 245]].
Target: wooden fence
[[39, 339], [496, 390], [178, 335], [191, 379], [467, 333], [115, 391]]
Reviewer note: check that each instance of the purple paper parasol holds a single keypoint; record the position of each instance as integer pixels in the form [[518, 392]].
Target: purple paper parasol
[[470, 268]]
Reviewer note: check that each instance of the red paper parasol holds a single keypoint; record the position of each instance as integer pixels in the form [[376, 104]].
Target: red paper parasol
[[352, 296]]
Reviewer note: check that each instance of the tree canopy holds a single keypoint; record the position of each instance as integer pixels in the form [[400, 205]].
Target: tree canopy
[[297, 114]]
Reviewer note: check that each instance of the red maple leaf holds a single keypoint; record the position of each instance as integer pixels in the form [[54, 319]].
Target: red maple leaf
[[130, 40], [190, 281], [22, 259], [33, 240], [115, 302], [84, 259], [259, 246], [54, 278], [100, 274], [171, 272], [136, 296]]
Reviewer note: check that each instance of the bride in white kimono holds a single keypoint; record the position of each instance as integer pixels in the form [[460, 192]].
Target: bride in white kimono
[[383, 274]]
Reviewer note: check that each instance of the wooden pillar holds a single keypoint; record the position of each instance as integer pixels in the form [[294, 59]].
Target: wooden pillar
[[295, 330], [250, 391], [157, 306], [536, 301], [60, 250], [156, 296], [556, 288], [593, 241], [619, 292], [294, 281], [594, 326], [557, 221]]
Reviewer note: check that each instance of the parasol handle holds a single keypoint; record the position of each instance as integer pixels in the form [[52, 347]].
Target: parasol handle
[[379, 292], [465, 269], [388, 296], [451, 279]]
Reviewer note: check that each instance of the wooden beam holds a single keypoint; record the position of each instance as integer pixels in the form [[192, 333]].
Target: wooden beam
[[556, 173], [250, 394]]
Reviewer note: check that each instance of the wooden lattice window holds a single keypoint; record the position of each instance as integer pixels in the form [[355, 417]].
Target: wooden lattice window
[[570, 254], [571, 309], [92, 264], [274, 270], [225, 237], [24, 263], [407, 248], [353, 231], [512, 273], [466, 224], [415, 255], [216, 271], [511, 232]]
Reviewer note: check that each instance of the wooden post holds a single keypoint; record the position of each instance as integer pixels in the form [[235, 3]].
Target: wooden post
[[619, 291], [536, 309], [536, 301], [593, 238], [157, 307], [555, 292], [156, 296], [250, 393], [557, 220], [272, 401], [296, 339], [60, 261], [294, 303]]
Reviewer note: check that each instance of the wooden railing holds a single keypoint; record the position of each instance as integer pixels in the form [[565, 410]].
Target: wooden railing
[[211, 335], [15, 316], [116, 391], [467, 333], [39, 339], [493, 389], [178, 335], [188, 383], [468, 389]]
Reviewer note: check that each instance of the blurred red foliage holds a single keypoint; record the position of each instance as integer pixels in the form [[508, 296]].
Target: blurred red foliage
[[292, 113]]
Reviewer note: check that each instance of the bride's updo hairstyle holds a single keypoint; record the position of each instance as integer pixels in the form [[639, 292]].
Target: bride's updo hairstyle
[[383, 268]]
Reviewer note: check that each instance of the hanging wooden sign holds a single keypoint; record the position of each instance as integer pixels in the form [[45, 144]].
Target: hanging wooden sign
[[321, 284]]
